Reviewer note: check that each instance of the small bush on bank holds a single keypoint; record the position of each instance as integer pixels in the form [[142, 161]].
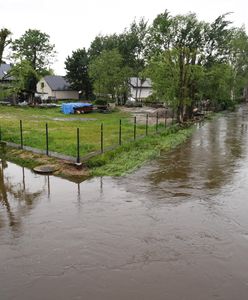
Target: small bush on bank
[[100, 102]]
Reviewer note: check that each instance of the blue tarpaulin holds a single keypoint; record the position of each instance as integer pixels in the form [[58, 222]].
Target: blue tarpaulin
[[68, 108]]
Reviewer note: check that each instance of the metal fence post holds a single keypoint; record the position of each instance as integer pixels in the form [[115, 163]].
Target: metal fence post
[[21, 134], [157, 122], [78, 146], [47, 146], [120, 133], [146, 124], [102, 138], [165, 119], [134, 128]]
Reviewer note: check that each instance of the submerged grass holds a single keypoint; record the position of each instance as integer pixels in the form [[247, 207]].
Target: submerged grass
[[133, 155]]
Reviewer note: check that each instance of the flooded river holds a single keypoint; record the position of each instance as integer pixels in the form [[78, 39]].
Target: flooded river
[[176, 229]]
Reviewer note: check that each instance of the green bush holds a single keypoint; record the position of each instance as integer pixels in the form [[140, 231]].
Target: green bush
[[100, 102]]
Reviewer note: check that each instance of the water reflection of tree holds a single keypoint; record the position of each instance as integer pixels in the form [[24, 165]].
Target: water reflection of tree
[[236, 135], [206, 161], [4, 197], [26, 199], [225, 148], [176, 166]]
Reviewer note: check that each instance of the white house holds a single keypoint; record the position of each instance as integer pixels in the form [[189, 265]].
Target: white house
[[55, 87], [6, 82], [5, 77], [140, 89]]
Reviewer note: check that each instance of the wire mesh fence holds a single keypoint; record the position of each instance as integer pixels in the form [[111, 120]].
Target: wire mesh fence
[[80, 140]]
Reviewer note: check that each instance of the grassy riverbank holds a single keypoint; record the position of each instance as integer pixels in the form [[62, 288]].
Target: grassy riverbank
[[62, 129], [62, 137], [124, 159], [133, 155]]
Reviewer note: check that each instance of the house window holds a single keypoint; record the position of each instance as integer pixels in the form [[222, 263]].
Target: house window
[[42, 85]]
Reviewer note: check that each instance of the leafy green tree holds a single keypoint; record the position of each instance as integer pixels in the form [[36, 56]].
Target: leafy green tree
[[217, 38], [4, 41], [217, 85], [226, 61], [25, 78], [109, 75], [180, 38], [184, 53], [163, 69], [238, 59], [101, 43], [35, 48], [131, 44], [77, 66]]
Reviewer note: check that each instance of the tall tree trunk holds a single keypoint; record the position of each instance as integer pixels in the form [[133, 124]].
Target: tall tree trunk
[[136, 91], [181, 87], [4, 33]]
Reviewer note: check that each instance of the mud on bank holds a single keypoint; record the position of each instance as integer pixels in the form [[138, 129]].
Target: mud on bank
[[31, 160]]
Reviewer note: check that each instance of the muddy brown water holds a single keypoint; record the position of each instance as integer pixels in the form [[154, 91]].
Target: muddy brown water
[[175, 229]]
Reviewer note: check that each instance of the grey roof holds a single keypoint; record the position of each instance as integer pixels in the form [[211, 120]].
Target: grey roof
[[137, 83], [4, 70], [57, 83]]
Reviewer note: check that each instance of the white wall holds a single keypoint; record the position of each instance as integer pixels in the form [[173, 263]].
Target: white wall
[[46, 90], [141, 92], [59, 95]]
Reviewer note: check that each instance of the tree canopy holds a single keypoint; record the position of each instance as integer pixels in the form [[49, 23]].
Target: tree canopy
[[77, 72], [188, 60], [130, 44], [34, 46], [33, 49], [184, 53], [109, 74], [4, 41]]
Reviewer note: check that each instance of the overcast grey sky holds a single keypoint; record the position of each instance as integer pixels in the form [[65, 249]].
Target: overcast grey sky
[[74, 24]]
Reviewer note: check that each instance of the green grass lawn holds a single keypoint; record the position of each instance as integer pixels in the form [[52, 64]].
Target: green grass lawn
[[62, 129]]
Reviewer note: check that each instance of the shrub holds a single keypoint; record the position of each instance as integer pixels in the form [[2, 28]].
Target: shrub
[[100, 102]]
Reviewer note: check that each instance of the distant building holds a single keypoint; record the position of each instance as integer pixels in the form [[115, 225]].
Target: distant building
[[5, 77], [55, 87], [139, 89], [6, 84]]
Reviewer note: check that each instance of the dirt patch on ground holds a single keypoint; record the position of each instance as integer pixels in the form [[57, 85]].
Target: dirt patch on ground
[[138, 110], [74, 119], [153, 113]]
